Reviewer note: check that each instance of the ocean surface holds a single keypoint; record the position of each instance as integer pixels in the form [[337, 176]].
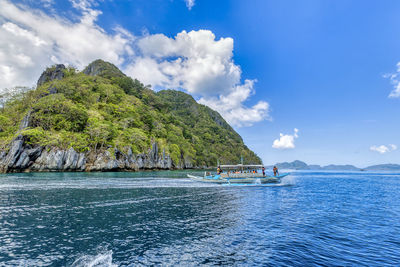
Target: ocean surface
[[163, 218]]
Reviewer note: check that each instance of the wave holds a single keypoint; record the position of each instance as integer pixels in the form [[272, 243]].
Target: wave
[[288, 180], [103, 259]]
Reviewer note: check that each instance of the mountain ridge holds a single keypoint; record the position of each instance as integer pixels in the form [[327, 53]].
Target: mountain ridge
[[300, 165]]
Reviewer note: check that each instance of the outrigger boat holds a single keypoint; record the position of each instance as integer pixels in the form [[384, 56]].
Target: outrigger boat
[[241, 174]]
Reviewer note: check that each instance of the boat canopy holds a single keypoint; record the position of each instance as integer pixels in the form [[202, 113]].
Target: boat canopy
[[239, 166]]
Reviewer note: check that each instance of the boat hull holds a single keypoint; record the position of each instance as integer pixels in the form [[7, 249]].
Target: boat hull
[[217, 179]]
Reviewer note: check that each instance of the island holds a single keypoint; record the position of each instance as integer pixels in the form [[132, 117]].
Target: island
[[300, 165], [99, 119]]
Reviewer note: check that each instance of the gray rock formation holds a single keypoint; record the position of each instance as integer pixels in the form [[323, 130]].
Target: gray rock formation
[[12, 156], [54, 73], [2, 155], [100, 67], [21, 157]]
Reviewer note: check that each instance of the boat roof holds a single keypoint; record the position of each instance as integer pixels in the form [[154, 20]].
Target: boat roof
[[241, 166]]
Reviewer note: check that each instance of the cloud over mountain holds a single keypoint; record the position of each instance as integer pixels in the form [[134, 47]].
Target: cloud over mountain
[[382, 149], [203, 66], [31, 40], [195, 61]]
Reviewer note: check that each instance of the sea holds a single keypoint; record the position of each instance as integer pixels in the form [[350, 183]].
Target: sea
[[311, 218]]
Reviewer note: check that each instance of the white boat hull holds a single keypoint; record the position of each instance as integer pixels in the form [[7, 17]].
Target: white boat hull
[[235, 180]]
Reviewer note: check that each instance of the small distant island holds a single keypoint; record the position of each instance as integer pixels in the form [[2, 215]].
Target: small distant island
[[99, 119], [300, 165]]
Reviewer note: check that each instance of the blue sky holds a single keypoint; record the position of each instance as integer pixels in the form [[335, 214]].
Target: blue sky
[[317, 66]]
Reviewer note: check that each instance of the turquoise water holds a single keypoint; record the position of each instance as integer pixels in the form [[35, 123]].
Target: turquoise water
[[162, 218]]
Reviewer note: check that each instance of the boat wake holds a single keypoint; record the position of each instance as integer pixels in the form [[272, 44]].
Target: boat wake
[[103, 259], [287, 181]]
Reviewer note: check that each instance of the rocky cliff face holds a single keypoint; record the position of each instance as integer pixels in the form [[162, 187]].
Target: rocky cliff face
[[55, 73], [25, 158], [102, 68]]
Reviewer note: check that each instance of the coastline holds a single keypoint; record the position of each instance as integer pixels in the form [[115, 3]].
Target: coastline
[[23, 157]]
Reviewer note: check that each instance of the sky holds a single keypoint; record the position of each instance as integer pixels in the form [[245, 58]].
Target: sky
[[311, 80]]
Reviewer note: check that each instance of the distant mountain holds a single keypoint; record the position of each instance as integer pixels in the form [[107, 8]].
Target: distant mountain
[[295, 165], [383, 167], [314, 167], [300, 165]]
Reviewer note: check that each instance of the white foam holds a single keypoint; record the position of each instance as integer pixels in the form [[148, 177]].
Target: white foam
[[288, 180], [103, 259]]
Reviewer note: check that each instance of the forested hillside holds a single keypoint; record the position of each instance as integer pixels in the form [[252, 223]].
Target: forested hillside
[[101, 111]]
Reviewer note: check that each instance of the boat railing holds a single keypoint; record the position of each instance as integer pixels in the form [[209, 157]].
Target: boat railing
[[241, 175]]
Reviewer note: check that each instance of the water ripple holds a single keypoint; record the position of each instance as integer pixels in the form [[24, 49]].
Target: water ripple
[[150, 218]]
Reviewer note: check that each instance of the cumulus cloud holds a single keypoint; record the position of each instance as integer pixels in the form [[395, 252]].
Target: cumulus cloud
[[195, 61], [203, 66], [382, 149], [192, 60], [232, 108], [189, 4], [286, 141], [31, 40]]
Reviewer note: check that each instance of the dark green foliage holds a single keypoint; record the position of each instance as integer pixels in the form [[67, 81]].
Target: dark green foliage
[[208, 133], [130, 86], [70, 71], [37, 136], [101, 108], [4, 123], [58, 113]]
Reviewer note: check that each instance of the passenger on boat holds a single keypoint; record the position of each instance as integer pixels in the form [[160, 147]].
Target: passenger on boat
[[219, 170], [276, 172], [263, 171]]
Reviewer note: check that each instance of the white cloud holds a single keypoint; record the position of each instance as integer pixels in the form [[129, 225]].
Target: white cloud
[[286, 141], [232, 108], [189, 4], [203, 66], [382, 149], [31, 40], [394, 79], [195, 62]]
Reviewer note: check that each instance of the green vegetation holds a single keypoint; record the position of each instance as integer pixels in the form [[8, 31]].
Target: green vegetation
[[101, 108]]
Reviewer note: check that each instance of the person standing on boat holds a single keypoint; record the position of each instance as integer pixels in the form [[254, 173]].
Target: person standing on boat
[[263, 171], [276, 172], [219, 170]]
